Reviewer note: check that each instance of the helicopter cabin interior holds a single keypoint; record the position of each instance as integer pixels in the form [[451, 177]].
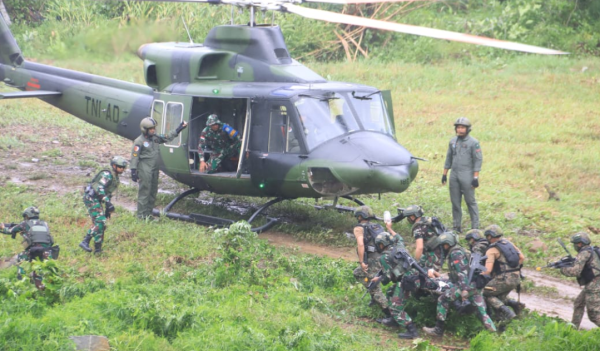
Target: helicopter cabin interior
[[264, 126]]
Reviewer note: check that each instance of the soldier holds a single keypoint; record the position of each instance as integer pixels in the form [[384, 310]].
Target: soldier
[[144, 163], [464, 157], [98, 191], [587, 270], [393, 270], [477, 243], [504, 262], [368, 257], [424, 231], [37, 241], [224, 143], [460, 286]]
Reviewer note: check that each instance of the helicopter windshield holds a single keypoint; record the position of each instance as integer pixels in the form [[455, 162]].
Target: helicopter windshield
[[371, 112], [324, 117]]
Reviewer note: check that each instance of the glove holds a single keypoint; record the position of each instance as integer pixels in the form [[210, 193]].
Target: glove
[[475, 183], [134, 175], [444, 179], [109, 209], [181, 127]]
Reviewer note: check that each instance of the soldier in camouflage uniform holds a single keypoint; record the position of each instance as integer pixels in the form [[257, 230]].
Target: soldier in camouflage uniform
[[144, 163], [587, 270], [422, 229], [368, 257], [393, 270], [100, 190], [464, 157], [37, 241], [505, 277], [461, 288], [223, 142], [477, 243]]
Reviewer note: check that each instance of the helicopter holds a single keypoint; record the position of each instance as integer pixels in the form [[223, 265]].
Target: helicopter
[[302, 136]]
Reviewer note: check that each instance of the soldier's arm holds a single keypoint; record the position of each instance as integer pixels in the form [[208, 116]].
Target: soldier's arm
[[135, 155], [457, 264], [580, 261], [359, 233], [13, 231], [477, 158], [491, 258], [448, 163], [418, 248]]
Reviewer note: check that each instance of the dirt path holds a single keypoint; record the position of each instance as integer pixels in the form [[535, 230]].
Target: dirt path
[[560, 306]]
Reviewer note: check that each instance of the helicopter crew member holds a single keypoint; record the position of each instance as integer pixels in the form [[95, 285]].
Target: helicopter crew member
[[144, 163], [224, 144], [503, 263], [477, 243], [98, 191], [461, 287], [587, 270], [393, 270], [365, 233], [464, 157], [37, 241]]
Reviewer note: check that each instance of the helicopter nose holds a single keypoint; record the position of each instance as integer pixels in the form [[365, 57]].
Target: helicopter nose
[[368, 162]]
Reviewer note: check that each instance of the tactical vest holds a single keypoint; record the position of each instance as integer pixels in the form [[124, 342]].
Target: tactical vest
[[370, 233], [108, 188], [399, 267], [38, 233], [590, 270], [432, 232], [509, 257]]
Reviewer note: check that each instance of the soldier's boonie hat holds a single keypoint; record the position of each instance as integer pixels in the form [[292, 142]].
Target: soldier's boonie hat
[[212, 119]]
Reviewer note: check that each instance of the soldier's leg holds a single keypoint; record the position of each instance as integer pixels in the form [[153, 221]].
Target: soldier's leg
[[469, 195], [397, 305], [21, 259], [153, 191], [145, 183], [374, 268], [592, 303], [578, 309], [494, 289], [455, 198], [478, 300]]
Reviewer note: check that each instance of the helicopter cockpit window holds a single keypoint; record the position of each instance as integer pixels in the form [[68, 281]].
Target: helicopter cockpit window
[[324, 118], [173, 117], [371, 112]]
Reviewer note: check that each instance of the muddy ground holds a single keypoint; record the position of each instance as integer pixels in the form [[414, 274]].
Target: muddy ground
[[47, 162]]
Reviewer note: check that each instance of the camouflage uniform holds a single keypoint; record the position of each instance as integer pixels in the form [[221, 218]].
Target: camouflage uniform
[[397, 297], [144, 159], [374, 266], [458, 265], [590, 295], [224, 143], [44, 241], [504, 279], [431, 258], [480, 246], [104, 184], [463, 158]]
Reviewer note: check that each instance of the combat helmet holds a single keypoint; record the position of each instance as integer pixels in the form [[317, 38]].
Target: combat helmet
[[581, 237], [146, 124], [31, 212], [463, 121], [118, 161], [474, 234], [383, 238], [364, 211], [493, 230], [212, 119], [412, 210]]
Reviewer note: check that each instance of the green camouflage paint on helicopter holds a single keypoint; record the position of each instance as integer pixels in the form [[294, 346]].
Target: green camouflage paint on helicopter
[[254, 86]]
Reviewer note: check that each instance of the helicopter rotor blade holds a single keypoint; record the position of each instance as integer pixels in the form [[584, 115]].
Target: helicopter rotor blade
[[410, 29], [345, 2]]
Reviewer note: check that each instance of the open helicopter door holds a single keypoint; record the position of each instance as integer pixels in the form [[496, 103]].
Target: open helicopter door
[[245, 137], [169, 111], [389, 108]]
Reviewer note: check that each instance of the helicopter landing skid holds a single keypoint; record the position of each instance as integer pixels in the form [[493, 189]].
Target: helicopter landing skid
[[211, 220]]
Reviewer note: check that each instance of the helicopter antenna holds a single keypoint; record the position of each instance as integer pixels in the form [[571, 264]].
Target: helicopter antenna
[[187, 30], [251, 16]]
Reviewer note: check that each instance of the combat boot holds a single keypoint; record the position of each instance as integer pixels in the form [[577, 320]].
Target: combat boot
[[411, 332], [97, 248], [518, 307], [388, 320], [85, 244], [507, 313], [438, 330]]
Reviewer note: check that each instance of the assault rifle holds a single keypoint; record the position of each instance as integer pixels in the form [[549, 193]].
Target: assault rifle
[[475, 265], [566, 261], [373, 283], [409, 261], [10, 226]]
